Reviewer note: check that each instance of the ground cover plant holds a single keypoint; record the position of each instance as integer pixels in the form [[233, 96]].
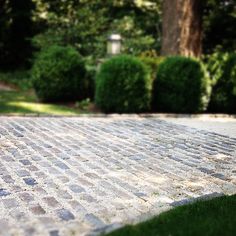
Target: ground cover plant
[[212, 217]]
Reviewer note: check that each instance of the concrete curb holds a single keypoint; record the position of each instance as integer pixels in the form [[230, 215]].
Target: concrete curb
[[141, 115]]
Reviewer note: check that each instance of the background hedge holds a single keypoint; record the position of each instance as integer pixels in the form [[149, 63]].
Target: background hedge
[[181, 86], [59, 75], [123, 85], [223, 98]]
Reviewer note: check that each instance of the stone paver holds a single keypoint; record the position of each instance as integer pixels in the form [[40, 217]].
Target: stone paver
[[224, 126], [81, 176]]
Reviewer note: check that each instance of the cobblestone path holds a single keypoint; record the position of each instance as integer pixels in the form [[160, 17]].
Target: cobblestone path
[[80, 176]]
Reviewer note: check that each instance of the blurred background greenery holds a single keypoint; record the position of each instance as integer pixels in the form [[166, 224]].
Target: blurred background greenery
[[149, 29]]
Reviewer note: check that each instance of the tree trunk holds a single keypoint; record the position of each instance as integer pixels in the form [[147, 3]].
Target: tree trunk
[[182, 27]]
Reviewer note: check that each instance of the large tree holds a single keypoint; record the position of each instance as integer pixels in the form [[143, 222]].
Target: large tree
[[182, 27]]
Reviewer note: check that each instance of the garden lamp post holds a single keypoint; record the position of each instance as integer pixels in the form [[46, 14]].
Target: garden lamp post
[[114, 44]]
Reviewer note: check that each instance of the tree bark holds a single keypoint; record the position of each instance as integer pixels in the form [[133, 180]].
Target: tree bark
[[182, 27]]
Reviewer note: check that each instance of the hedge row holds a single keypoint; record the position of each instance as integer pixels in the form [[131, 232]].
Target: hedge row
[[59, 74], [126, 84], [222, 68]]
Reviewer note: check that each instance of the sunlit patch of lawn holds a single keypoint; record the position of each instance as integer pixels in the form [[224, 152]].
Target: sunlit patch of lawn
[[22, 102]]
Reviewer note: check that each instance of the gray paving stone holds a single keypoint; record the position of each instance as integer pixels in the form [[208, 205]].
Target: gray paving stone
[[205, 170], [65, 215], [8, 179], [64, 176], [95, 221], [77, 206], [22, 173], [30, 181], [10, 203], [63, 194], [18, 215], [220, 176], [37, 210], [76, 188], [26, 197], [51, 201], [25, 162], [61, 165], [4, 192], [54, 233]]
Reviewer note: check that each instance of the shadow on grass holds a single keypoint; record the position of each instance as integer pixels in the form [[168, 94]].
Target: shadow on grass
[[211, 218], [26, 102]]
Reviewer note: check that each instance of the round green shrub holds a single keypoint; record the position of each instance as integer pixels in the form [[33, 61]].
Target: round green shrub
[[123, 85], [182, 86], [59, 75], [223, 98]]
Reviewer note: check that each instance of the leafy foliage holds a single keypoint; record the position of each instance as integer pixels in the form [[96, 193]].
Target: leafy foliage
[[223, 97], [86, 24], [123, 85], [16, 27], [59, 75], [215, 65], [219, 20], [152, 65], [20, 79], [182, 85]]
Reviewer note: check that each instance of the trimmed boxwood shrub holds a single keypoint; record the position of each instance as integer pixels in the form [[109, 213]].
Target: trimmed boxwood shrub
[[223, 98], [182, 85], [123, 85], [59, 75]]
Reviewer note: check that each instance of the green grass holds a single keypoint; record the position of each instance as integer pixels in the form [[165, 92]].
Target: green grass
[[22, 102], [212, 218], [20, 79]]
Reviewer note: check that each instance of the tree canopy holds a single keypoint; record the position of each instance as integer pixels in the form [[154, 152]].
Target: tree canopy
[[86, 24]]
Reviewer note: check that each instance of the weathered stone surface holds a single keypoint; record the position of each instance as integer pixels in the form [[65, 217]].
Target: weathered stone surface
[[30, 181], [65, 215], [4, 192], [66, 176], [37, 210]]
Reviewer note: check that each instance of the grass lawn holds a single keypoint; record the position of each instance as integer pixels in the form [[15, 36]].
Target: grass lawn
[[214, 217], [22, 100], [20, 79], [25, 103]]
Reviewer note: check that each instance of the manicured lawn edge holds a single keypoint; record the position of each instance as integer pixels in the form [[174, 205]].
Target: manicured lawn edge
[[214, 216]]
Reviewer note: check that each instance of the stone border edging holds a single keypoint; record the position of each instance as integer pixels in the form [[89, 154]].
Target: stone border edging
[[116, 115]]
